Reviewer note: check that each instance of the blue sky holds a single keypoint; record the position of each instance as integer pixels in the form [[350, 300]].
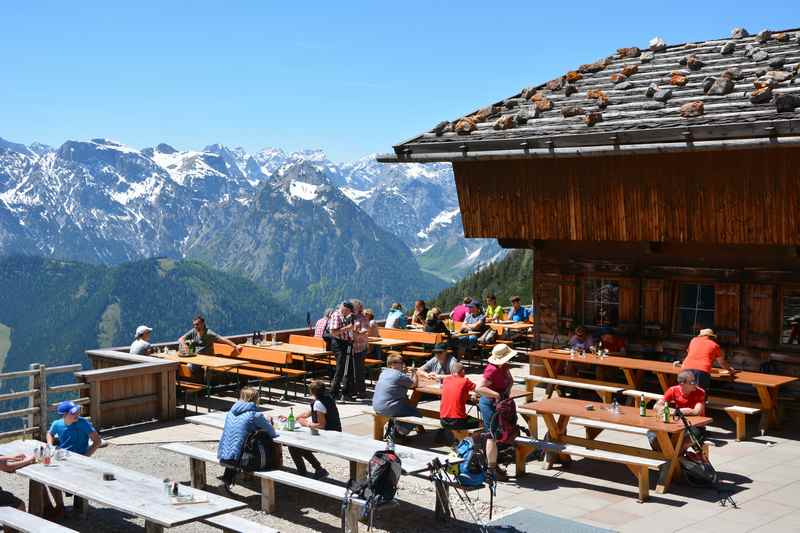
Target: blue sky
[[348, 77]]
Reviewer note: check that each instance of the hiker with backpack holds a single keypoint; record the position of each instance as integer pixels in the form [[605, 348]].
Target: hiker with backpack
[[240, 423], [324, 415], [495, 387]]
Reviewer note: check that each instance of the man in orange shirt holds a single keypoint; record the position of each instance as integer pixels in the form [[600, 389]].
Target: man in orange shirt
[[703, 350], [455, 393]]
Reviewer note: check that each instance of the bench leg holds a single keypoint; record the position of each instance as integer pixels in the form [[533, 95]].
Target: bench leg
[[267, 495], [533, 425], [351, 518], [277, 451], [81, 505], [642, 474], [152, 527], [741, 425], [358, 471], [197, 470], [378, 422], [521, 455]]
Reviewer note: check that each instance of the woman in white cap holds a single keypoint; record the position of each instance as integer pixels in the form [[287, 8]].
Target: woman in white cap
[[141, 344], [495, 386]]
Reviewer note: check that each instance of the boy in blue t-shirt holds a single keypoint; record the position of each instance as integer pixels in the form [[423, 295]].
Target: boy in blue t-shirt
[[73, 433]]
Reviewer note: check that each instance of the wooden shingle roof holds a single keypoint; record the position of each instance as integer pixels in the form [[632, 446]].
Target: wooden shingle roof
[[741, 91]]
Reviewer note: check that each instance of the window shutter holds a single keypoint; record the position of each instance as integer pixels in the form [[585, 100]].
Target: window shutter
[[760, 314], [629, 300], [653, 298], [567, 297], [726, 302]]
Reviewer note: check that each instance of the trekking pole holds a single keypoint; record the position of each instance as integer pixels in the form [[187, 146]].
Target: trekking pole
[[439, 471]]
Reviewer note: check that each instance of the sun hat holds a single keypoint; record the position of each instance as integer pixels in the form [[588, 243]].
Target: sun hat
[[707, 332], [68, 407], [501, 354], [141, 330]]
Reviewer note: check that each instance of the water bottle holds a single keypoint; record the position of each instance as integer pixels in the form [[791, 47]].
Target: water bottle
[[642, 406]]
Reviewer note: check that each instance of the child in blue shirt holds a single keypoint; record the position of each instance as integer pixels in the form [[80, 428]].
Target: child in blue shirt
[[73, 433]]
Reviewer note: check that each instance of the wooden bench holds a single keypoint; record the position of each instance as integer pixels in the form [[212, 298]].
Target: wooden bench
[[738, 413], [188, 387], [428, 422], [605, 391], [639, 466], [268, 499], [261, 365], [198, 457], [230, 523], [328, 360], [15, 520], [637, 396]]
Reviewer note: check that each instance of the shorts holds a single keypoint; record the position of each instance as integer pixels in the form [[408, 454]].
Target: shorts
[[9, 500], [460, 423], [491, 424]]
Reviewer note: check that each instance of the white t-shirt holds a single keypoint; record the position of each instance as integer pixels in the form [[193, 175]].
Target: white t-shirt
[[139, 347], [319, 407]]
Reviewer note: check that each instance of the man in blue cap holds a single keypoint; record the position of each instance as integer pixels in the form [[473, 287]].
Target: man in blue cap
[[72, 432]]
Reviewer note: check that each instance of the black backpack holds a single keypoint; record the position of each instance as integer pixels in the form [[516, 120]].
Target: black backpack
[[258, 452], [380, 485], [697, 472]]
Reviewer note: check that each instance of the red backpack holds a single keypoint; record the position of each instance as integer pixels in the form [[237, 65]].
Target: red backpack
[[507, 421]]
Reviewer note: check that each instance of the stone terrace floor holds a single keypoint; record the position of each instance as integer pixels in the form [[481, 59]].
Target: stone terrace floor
[[763, 471]]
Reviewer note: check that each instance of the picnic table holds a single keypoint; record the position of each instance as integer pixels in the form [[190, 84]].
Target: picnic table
[[670, 435], [300, 351], [209, 363], [765, 385], [383, 342], [130, 492], [356, 449], [509, 325]]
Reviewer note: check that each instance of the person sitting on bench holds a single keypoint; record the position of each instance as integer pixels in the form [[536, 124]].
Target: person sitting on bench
[[455, 393], [689, 398], [440, 365], [242, 420], [391, 392], [323, 415]]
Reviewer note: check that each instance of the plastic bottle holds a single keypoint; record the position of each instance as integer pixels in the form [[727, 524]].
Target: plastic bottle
[[642, 406], [290, 420]]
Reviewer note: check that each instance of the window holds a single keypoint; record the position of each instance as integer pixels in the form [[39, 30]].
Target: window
[[696, 308], [600, 302], [790, 328]]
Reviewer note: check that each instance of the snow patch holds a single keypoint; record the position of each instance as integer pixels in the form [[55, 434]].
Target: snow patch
[[303, 190], [356, 195]]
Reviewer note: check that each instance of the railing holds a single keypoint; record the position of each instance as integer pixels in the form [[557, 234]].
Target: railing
[[35, 417]]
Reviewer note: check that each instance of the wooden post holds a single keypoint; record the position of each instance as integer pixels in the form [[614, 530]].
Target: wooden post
[[31, 419], [267, 495], [94, 404], [40, 383]]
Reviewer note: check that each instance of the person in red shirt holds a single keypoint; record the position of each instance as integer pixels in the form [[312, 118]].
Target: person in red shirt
[[612, 342], [455, 393], [703, 350], [689, 398]]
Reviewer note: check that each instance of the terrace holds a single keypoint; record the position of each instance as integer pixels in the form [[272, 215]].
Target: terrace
[[135, 401]]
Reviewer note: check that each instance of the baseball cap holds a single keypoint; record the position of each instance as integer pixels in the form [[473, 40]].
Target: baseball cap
[[141, 330], [348, 305], [68, 407]]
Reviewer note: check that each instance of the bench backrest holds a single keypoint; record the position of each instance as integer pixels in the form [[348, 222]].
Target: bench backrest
[[184, 371], [261, 355], [223, 350], [305, 340]]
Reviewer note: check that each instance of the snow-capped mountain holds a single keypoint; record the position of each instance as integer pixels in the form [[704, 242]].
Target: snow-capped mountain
[[104, 202]]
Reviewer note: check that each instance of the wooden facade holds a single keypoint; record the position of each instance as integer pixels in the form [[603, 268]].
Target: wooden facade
[[655, 246]]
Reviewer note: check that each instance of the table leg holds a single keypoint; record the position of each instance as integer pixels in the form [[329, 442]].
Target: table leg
[[208, 388], [36, 495], [358, 471], [277, 450], [152, 527], [378, 423], [642, 474], [197, 470], [663, 381], [671, 452], [769, 404], [267, 495], [556, 431], [632, 378]]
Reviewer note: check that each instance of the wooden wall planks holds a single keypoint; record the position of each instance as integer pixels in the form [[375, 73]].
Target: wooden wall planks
[[730, 197]]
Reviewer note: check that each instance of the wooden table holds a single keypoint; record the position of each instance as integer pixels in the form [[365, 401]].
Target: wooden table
[[130, 492], [513, 326], [670, 435], [766, 385], [296, 349], [383, 342], [210, 363], [356, 449]]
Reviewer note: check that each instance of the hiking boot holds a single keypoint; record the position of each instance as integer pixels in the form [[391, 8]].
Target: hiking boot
[[320, 474]]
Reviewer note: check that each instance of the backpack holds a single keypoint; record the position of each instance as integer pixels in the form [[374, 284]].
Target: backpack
[[257, 452], [488, 337], [506, 413], [380, 485], [472, 468], [697, 472]]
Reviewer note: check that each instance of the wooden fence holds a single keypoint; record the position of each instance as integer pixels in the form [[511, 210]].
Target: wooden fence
[[38, 396]]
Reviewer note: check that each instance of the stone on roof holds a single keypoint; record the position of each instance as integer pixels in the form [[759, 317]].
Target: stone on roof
[[731, 83]]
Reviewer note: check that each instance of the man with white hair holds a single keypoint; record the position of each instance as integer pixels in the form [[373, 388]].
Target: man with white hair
[[141, 343]]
